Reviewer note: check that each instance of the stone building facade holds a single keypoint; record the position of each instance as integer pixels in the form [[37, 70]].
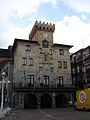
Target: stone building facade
[[42, 70]]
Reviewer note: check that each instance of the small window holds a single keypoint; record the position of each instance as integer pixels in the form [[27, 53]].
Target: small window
[[30, 79], [24, 61], [50, 51], [31, 61], [73, 70], [65, 64], [61, 51], [59, 64], [45, 43], [78, 69], [40, 50], [60, 79], [28, 48]]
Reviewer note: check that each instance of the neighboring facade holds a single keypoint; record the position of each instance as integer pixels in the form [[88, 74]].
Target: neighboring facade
[[6, 56], [42, 70], [8, 69], [86, 56], [80, 65]]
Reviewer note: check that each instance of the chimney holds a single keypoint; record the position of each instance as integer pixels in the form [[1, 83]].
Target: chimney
[[10, 47]]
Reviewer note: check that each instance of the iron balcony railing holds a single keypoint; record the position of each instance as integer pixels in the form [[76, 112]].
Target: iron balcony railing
[[37, 86]]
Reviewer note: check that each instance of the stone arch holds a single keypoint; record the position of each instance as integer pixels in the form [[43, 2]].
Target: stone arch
[[30, 101], [61, 100], [46, 101]]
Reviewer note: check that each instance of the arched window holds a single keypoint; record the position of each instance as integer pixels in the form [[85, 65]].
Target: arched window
[[45, 43]]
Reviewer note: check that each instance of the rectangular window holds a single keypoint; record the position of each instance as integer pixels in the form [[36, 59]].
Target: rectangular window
[[59, 64], [78, 69], [60, 79], [46, 80], [24, 61], [31, 61], [64, 64], [40, 50], [61, 51], [50, 51], [30, 79], [45, 43], [73, 70], [28, 48]]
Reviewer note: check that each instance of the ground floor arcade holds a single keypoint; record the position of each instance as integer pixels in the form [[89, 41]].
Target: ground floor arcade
[[30, 99]]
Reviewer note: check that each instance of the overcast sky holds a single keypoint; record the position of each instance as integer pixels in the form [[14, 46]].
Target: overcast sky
[[71, 19]]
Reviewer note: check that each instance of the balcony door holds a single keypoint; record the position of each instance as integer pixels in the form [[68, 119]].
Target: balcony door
[[46, 80]]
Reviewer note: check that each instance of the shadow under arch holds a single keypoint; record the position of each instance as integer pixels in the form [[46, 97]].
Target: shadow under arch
[[30, 101], [61, 100], [46, 101]]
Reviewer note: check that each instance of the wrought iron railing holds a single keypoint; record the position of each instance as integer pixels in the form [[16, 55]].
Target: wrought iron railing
[[35, 86]]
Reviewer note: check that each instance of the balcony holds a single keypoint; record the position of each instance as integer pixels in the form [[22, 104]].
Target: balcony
[[41, 88]]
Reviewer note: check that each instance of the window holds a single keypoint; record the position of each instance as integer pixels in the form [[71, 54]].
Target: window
[[78, 69], [60, 79], [40, 50], [74, 80], [73, 70], [31, 62], [31, 79], [46, 80], [50, 51], [24, 61], [28, 48], [59, 64], [65, 64], [45, 43], [61, 51]]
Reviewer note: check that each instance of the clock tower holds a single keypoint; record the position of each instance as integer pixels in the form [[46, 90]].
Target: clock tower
[[43, 33]]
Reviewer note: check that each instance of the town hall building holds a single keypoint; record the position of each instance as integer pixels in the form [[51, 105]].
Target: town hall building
[[41, 70]]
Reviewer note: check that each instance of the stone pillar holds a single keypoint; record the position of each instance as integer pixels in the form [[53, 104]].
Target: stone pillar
[[38, 101], [53, 100]]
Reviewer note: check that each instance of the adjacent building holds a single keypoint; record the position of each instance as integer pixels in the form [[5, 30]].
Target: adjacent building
[[80, 65], [6, 62]]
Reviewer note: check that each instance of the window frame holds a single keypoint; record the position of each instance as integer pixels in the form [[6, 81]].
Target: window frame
[[60, 79], [46, 80], [31, 62], [65, 64], [59, 64], [50, 51], [44, 45], [24, 61], [30, 79], [28, 48], [40, 50], [61, 51]]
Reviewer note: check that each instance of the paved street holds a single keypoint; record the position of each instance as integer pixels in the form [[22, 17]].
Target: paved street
[[51, 114]]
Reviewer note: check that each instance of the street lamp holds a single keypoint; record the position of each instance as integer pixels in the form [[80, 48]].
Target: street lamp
[[3, 77], [8, 90]]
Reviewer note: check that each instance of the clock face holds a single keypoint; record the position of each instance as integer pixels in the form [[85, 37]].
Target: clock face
[[45, 35]]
